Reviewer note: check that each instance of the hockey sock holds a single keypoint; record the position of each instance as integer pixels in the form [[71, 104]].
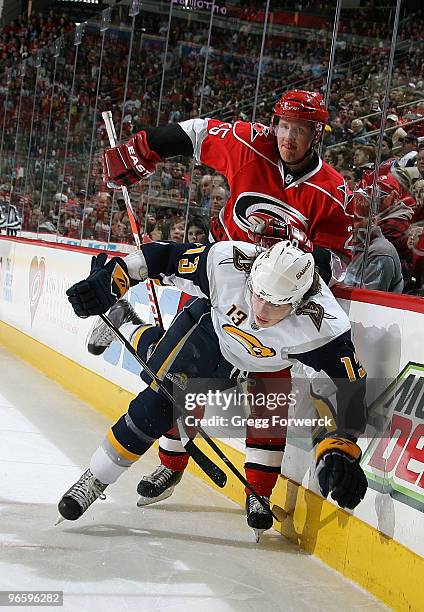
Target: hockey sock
[[262, 482], [149, 415], [172, 453]]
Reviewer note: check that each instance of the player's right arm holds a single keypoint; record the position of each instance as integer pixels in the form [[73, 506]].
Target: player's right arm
[[136, 159], [181, 264]]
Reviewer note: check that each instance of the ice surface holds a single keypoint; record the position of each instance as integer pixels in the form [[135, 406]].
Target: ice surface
[[193, 551]]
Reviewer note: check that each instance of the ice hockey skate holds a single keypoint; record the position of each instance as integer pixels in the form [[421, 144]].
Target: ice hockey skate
[[80, 497], [258, 518], [157, 486], [101, 336]]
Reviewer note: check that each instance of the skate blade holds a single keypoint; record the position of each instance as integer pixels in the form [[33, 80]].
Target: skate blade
[[258, 533], [59, 520], [147, 501]]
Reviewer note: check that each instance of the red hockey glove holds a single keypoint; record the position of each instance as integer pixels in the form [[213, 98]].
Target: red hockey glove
[[266, 231], [130, 162]]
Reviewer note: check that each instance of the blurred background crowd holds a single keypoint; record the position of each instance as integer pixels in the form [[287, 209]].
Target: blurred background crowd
[[161, 62]]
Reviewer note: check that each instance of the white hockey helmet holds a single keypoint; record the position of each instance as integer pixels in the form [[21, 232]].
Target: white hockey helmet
[[282, 274]]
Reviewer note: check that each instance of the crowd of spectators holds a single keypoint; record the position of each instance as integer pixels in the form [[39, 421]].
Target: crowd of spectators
[[27, 34], [52, 177]]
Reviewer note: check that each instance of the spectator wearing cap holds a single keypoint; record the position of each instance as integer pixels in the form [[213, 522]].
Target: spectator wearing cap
[[396, 130], [381, 270], [409, 150], [358, 132], [391, 120]]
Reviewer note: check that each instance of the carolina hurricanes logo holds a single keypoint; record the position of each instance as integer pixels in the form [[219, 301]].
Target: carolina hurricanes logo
[[249, 203], [249, 342], [258, 129]]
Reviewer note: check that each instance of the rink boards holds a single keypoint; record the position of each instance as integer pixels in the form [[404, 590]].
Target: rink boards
[[380, 545]]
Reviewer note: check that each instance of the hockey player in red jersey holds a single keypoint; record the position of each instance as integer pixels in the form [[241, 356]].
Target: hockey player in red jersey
[[276, 178], [273, 169]]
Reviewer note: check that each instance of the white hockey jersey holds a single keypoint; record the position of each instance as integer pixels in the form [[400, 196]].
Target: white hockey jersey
[[219, 272]]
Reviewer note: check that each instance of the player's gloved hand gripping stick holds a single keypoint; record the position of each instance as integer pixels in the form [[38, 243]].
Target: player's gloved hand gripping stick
[[153, 300]]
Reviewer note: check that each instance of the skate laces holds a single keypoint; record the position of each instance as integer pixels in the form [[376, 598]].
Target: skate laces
[[255, 505], [105, 336], [87, 490], [160, 476]]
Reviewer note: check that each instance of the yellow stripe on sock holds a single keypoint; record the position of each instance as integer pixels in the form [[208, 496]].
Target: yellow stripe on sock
[[121, 450], [136, 338]]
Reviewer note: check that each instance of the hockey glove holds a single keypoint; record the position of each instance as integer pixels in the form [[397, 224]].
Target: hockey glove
[[106, 284], [266, 231], [339, 472], [129, 163]]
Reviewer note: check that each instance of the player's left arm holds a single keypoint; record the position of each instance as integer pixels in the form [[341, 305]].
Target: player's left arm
[[338, 456]]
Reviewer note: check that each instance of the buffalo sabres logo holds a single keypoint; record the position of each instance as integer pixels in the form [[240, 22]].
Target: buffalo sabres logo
[[240, 260], [249, 342], [258, 129], [315, 312]]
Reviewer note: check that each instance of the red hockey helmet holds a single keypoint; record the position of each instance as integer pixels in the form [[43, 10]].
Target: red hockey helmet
[[300, 104], [303, 105]]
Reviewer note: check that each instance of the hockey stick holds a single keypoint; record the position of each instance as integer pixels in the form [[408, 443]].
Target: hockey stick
[[212, 470], [153, 300]]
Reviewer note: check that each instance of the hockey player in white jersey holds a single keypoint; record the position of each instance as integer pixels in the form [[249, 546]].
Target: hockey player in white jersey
[[256, 312]]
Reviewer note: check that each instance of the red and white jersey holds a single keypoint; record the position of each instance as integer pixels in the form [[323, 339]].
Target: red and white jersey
[[246, 154]]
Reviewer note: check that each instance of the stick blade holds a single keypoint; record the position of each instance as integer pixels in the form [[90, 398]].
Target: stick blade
[[210, 468]]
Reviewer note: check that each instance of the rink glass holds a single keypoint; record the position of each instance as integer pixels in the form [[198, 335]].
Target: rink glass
[[156, 62]]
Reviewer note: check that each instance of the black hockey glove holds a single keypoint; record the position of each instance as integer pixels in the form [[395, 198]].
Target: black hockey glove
[[339, 472], [106, 284]]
